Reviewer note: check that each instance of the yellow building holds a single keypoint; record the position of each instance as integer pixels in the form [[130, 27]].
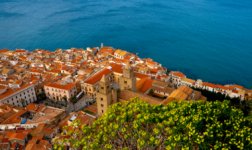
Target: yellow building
[[128, 80], [105, 94], [120, 54]]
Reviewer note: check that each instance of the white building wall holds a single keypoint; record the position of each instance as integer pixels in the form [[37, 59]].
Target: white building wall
[[28, 95]]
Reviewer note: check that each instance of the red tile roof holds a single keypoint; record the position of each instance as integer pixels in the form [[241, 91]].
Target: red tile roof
[[35, 107], [2, 87], [36, 70], [150, 62], [235, 91], [92, 108], [127, 95], [140, 75], [20, 51], [15, 118], [209, 85], [4, 50], [178, 74], [97, 76], [235, 86], [154, 70], [10, 91], [116, 68], [38, 144], [144, 84], [222, 87], [67, 86], [109, 50]]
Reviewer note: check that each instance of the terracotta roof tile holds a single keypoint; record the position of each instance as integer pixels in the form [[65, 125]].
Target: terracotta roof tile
[[10, 91], [4, 50], [140, 75], [20, 51], [97, 76], [235, 86], [127, 95], [92, 108], [116, 67], [209, 85], [178, 74], [66, 86], [109, 50], [144, 84]]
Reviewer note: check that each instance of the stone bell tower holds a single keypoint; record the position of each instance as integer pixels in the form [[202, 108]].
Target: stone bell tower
[[104, 94], [128, 79]]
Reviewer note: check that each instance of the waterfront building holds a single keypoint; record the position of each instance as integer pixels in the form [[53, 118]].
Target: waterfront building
[[120, 54], [184, 93], [187, 82]]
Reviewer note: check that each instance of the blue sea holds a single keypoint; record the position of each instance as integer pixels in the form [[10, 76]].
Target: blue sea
[[206, 39]]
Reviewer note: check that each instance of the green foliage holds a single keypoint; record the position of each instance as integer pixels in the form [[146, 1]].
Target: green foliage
[[187, 125], [41, 96], [236, 102], [73, 99], [212, 96]]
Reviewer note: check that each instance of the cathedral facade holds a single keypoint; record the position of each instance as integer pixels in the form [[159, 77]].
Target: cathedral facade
[[110, 85]]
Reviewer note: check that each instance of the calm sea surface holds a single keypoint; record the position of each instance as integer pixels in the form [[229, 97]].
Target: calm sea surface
[[207, 39]]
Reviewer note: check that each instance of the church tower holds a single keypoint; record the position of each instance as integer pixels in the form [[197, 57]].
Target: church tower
[[104, 95], [128, 79]]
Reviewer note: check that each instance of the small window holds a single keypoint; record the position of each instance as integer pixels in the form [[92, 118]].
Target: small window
[[102, 105], [125, 82], [101, 99]]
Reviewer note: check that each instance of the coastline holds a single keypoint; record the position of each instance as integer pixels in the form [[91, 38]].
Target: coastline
[[190, 74]]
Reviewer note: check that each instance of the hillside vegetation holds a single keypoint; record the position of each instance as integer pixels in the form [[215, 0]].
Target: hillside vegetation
[[186, 125]]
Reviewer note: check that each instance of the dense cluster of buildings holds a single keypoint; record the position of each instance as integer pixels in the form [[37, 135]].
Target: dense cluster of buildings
[[34, 126], [87, 81], [28, 127]]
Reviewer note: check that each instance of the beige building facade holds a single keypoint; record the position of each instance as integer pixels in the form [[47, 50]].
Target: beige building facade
[[60, 91]]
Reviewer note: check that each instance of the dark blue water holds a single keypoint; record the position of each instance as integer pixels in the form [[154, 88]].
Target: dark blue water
[[207, 39]]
